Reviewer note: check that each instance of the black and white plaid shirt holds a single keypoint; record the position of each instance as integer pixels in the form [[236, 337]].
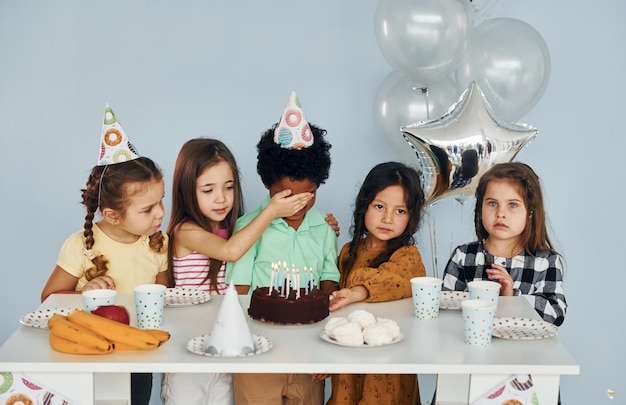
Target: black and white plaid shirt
[[539, 278]]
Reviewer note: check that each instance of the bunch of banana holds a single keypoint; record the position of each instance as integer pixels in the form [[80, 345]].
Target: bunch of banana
[[69, 337], [85, 333]]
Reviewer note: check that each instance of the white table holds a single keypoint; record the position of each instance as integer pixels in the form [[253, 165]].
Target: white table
[[429, 347]]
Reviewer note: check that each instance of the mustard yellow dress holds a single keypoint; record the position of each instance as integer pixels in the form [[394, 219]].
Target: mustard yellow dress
[[387, 282]]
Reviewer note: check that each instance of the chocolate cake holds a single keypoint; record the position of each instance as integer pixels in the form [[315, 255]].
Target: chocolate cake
[[273, 308]]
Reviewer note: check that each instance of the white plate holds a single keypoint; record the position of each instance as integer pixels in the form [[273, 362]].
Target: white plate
[[327, 338], [197, 345], [523, 329], [183, 296], [452, 299], [39, 319]]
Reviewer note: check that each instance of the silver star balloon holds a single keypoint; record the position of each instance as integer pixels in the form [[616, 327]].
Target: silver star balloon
[[456, 149]]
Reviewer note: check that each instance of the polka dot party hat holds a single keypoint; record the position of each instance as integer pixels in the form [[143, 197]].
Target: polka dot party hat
[[115, 147], [293, 131]]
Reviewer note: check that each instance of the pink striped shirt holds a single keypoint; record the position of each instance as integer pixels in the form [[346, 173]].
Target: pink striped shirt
[[190, 271]]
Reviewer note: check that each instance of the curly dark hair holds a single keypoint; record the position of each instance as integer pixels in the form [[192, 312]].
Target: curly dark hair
[[275, 162]]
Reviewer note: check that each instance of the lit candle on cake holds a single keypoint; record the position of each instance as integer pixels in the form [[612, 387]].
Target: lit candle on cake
[[272, 278], [297, 283], [306, 281], [287, 283], [283, 287], [277, 278]]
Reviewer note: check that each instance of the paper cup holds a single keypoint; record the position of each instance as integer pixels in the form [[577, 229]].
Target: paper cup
[[96, 298], [426, 292], [149, 302], [478, 317], [484, 290]]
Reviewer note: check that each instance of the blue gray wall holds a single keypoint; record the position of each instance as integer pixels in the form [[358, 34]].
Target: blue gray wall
[[174, 70]]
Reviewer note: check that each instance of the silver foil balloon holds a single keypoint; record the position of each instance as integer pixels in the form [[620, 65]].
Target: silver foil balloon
[[457, 148]]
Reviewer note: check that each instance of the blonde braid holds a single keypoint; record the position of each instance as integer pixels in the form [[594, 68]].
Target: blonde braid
[[157, 242]]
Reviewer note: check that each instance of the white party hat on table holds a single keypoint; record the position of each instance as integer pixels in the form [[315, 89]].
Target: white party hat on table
[[230, 335]]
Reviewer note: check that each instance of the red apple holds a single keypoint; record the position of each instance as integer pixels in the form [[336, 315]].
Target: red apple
[[116, 313]]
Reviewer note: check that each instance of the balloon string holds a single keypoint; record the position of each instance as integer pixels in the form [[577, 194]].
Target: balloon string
[[433, 244], [462, 205], [426, 93]]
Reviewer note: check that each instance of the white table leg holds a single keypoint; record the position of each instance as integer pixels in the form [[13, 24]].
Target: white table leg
[[452, 389], [112, 388]]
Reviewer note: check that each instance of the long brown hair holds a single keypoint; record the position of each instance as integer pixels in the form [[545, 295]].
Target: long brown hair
[[380, 177], [194, 158], [108, 187], [534, 238]]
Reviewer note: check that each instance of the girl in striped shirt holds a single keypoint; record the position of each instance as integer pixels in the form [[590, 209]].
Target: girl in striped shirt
[[206, 202]]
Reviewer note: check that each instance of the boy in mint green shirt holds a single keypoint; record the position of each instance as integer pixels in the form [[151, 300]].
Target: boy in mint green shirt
[[291, 155]]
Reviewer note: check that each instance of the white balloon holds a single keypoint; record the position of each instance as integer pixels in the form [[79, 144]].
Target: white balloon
[[484, 9], [424, 40], [510, 62], [398, 102]]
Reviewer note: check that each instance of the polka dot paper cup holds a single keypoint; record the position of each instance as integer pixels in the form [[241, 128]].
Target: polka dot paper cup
[[478, 318], [149, 302], [484, 290], [99, 297], [426, 292]]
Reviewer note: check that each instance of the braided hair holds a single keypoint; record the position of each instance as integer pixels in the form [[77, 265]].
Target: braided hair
[[106, 188]]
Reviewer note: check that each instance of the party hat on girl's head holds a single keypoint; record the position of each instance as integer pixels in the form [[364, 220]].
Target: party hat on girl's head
[[293, 131], [115, 147]]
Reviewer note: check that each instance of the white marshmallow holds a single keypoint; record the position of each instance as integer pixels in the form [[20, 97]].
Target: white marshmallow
[[349, 334], [362, 317], [332, 324]]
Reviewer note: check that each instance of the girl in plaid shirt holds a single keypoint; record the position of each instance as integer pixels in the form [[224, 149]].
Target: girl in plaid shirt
[[513, 247]]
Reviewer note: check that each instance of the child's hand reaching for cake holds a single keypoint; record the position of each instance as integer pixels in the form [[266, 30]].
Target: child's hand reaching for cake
[[347, 296]]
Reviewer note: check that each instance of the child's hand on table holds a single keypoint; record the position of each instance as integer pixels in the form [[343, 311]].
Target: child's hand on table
[[100, 283]]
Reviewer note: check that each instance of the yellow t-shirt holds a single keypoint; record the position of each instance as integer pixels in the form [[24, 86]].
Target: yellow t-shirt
[[129, 264]]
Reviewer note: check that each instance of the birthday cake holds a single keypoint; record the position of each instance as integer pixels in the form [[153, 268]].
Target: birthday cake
[[299, 307]]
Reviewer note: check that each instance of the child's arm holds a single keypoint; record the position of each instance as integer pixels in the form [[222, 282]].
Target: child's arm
[[163, 277], [242, 289], [347, 296], [193, 238], [546, 293], [391, 280], [453, 275], [329, 286], [62, 282]]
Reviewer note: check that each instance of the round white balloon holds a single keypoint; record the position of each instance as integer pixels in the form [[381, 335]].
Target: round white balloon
[[398, 102], [424, 40], [510, 62]]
